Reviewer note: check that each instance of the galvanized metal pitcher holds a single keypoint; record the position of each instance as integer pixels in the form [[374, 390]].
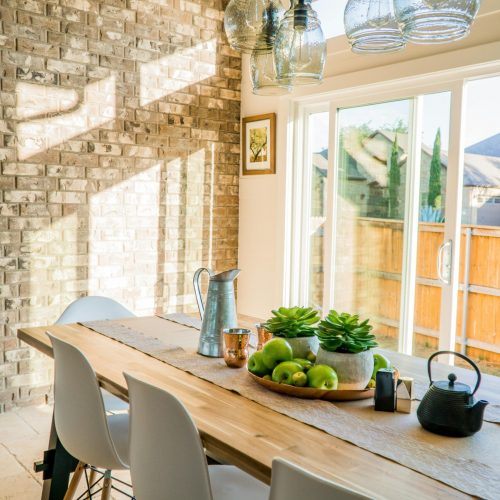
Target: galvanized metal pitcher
[[219, 311]]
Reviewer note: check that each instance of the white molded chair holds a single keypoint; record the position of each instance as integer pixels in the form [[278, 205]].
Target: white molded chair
[[167, 460], [290, 482], [94, 308], [81, 422]]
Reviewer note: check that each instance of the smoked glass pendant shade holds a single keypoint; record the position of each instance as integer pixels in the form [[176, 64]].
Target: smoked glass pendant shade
[[435, 21], [371, 27], [263, 74], [300, 46], [252, 24]]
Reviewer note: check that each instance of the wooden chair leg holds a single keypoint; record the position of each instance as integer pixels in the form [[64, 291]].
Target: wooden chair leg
[[106, 487], [91, 477], [75, 480]]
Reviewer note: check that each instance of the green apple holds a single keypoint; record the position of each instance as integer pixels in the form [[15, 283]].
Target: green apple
[[299, 379], [305, 363], [267, 377], [310, 356], [256, 364], [379, 361], [283, 373], [371, 384], [275, 351], [322, 377]]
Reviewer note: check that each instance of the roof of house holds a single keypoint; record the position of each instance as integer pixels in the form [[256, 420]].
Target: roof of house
[[487, 147], [371, 159]]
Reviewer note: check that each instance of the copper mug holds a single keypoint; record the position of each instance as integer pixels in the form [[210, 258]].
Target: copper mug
[[236, 343], [263, 335]]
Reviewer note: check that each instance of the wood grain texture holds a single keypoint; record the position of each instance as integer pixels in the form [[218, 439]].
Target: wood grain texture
[[244, 433]]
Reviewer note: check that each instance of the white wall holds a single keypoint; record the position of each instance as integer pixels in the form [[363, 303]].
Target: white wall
[[263, 198], [261, 235]]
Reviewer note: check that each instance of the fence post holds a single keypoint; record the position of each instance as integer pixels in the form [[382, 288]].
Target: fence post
[[465, 298]]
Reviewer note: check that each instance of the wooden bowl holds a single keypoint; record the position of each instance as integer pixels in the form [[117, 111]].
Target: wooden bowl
[[311, 393]]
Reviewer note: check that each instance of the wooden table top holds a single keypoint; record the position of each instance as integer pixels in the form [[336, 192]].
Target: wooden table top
[[241, 432]]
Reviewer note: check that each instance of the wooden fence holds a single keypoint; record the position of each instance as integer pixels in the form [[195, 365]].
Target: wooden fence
[[377, 256]]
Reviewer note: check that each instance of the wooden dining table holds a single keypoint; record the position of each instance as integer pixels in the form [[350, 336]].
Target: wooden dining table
[[241, 432]]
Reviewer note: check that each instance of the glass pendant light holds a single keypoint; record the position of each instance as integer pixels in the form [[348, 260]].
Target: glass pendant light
[[371, 27], [436, 21], [300, 47], [263, 74], [252, 24]]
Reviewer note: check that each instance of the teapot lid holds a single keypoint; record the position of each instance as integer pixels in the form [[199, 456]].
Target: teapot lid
[[452, 385]]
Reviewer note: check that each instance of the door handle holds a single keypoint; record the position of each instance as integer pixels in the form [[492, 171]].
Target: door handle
[[444, 262]]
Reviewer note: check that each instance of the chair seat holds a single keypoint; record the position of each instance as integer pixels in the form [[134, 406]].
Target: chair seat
[[118, 428], [229, 483]]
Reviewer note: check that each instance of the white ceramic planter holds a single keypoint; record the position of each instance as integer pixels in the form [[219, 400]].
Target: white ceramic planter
[[301, 346], [354, 370]]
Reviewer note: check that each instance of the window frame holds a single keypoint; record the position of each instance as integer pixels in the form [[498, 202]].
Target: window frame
[[413, 88]]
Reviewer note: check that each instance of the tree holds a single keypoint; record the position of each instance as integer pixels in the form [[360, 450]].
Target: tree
[[394, 181], [434, 196], [258, 144]]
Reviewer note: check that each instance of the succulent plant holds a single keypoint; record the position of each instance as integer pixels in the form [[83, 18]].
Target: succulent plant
[[292, 322], [344, 333]]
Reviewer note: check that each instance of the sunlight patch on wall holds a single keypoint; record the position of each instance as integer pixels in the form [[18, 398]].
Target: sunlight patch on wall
[[33, 100], [123, 240], [53, 258], [176, 71], [39, 135]]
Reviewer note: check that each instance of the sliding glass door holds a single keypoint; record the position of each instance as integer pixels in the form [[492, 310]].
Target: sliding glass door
[[390, 260], [398, 222], [370, 206], [478, 312]]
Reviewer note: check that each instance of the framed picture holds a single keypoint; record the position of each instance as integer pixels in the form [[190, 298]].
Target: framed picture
[[259, 144]]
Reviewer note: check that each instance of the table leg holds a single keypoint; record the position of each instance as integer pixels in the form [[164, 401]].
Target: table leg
[[57, 465]]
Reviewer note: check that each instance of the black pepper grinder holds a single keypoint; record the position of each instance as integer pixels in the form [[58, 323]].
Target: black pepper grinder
[[385, 390]]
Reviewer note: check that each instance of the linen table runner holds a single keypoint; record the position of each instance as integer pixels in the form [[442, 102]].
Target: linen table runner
[[361, 428]]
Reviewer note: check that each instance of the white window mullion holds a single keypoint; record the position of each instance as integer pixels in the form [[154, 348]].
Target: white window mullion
[[331, 197], [296, 231], [305, 241], [410, 231], [453, 212]]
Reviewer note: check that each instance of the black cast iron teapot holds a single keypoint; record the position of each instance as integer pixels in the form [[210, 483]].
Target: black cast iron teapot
[[448, 406]]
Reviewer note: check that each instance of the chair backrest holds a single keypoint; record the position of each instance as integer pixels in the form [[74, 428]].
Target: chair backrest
[[79, 412], [290, 482], [93, 308], [166, 454]]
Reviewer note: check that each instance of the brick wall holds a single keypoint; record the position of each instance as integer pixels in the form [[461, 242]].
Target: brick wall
[[119, 127]]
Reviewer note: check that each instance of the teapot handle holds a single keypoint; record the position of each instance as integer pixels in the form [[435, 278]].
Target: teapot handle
[[197, 291], [478, 373]]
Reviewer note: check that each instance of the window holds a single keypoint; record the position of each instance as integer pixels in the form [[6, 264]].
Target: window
[[387, 191]]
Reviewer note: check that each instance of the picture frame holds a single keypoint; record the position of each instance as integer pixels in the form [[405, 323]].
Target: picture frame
[[259, 144]]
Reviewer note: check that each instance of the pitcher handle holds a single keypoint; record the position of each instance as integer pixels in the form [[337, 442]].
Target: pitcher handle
[[197, 291], [478, 373]]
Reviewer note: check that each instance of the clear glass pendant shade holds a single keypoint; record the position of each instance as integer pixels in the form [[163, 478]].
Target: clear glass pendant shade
[[371, 26], [436, 21], [252, 24], [263, 74], [300, 46]]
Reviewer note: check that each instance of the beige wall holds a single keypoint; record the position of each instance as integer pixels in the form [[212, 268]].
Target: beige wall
[[119, 129], [263, 199]]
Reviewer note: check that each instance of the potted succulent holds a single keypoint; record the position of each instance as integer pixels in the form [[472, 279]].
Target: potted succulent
[[345, 345], [297, 326]]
